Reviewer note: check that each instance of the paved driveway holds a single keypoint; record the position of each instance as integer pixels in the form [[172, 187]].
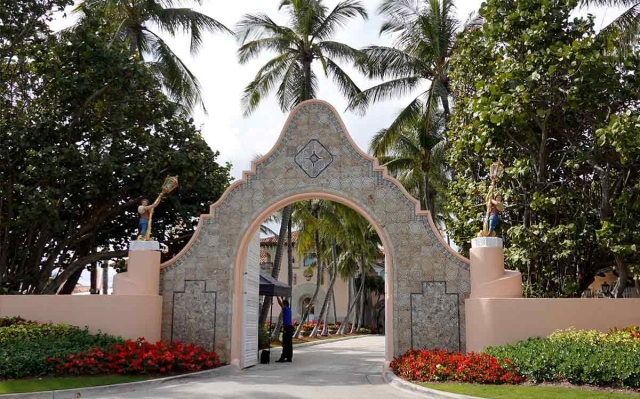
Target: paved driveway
[[345, 369]]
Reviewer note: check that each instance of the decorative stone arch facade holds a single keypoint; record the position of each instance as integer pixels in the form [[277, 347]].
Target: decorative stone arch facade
[[426, 281]]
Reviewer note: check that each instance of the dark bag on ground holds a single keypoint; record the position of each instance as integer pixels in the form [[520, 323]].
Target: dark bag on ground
[[265, 357]]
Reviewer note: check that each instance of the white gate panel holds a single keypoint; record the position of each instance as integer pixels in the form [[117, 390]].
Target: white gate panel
[[251, 304]]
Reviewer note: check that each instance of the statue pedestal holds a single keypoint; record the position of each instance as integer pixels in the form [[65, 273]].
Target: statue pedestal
[[488, 277], [143, 270]]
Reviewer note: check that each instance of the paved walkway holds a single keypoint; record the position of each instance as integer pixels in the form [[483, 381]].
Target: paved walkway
[[345, 369]]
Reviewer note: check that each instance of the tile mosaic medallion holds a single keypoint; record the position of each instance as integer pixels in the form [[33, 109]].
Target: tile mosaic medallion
[[315, 155]]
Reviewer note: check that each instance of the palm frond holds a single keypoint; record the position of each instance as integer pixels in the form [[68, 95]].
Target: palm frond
[[255, 26], [625, 29], [338, 50], [252, 49], [338, 17], [380, 62], [383, 141], [384, 91], [188, 21], [182, 85], [265, 81], [346, 86]]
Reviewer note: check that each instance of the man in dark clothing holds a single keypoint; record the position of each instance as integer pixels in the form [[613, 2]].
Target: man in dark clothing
[[287, 336]]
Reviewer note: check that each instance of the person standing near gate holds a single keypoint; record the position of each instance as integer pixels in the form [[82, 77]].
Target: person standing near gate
[[287, 336]]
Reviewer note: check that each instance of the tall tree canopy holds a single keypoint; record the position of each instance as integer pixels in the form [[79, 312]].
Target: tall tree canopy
[[134, 22], [540, 88], [86, 133]]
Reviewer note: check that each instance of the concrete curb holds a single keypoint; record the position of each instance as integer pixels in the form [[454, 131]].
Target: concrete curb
[[120, 388], [416, 389]]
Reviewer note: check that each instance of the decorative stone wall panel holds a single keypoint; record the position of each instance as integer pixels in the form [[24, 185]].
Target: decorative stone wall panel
[[341, 170]]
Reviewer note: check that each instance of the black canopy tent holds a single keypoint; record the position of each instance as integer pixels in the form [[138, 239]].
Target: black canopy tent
[[269, 286]]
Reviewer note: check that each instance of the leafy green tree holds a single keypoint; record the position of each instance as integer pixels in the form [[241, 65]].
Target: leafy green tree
[[86, 134], [298, 46], [540, 88], [133, 22]]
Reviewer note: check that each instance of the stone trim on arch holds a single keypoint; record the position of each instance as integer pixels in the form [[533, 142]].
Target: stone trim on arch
[[315, 156]]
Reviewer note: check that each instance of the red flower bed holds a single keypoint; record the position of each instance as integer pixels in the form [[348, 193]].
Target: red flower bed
[[137, 357], [440, 365]]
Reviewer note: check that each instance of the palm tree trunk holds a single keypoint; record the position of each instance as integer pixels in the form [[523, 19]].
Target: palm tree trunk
[[333, 302], [362, 297], [343, 326], [289, 256], [318, 282], [324, 311], [286, 215], [133, 44], [276, 332], [306, 67]]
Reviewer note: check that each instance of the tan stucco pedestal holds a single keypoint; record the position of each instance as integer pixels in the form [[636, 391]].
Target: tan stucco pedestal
[[489, 279]]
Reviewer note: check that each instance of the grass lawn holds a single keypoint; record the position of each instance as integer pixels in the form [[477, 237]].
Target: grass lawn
[[526, 392], [51, 384]]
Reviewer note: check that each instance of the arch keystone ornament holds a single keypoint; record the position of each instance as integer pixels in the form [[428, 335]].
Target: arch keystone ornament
[[426, 282]]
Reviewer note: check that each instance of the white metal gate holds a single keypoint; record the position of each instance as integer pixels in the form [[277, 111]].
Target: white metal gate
[[251, 304]]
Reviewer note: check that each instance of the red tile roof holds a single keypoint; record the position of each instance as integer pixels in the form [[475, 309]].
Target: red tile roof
[[273, 240]]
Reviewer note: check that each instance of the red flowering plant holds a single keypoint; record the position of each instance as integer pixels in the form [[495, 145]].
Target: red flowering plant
[[137, 357], [440, 365]]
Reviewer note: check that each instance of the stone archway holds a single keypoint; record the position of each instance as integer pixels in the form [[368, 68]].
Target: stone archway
[[314, 157]]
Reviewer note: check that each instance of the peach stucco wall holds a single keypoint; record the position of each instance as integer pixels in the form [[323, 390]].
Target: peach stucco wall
[[498, 321], [496, 313], [128, 316], [135, 309]]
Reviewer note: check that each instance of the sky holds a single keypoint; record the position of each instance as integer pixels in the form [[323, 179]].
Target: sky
[[240, 139]]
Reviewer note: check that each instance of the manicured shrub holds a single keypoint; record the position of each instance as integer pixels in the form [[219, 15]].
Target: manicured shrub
[[10, 321], [440, 365], [136, 357], [24, 348], [578, 357], [364, 330], [33, 331]]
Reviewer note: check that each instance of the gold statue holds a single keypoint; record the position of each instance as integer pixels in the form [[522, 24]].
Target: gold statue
[[493, 201], [146, 211]]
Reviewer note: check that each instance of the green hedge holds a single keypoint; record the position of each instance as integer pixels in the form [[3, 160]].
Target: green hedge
[[24, 348], [579, 357]]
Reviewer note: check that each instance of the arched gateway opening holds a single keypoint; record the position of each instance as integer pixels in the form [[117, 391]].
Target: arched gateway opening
[[204, 287]]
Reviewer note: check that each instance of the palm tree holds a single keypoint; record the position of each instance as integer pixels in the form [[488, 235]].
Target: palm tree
[[133, 21], [627, 25], [416, 157], [424, 32], [297, 46], [307, 214], [360, 249]]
